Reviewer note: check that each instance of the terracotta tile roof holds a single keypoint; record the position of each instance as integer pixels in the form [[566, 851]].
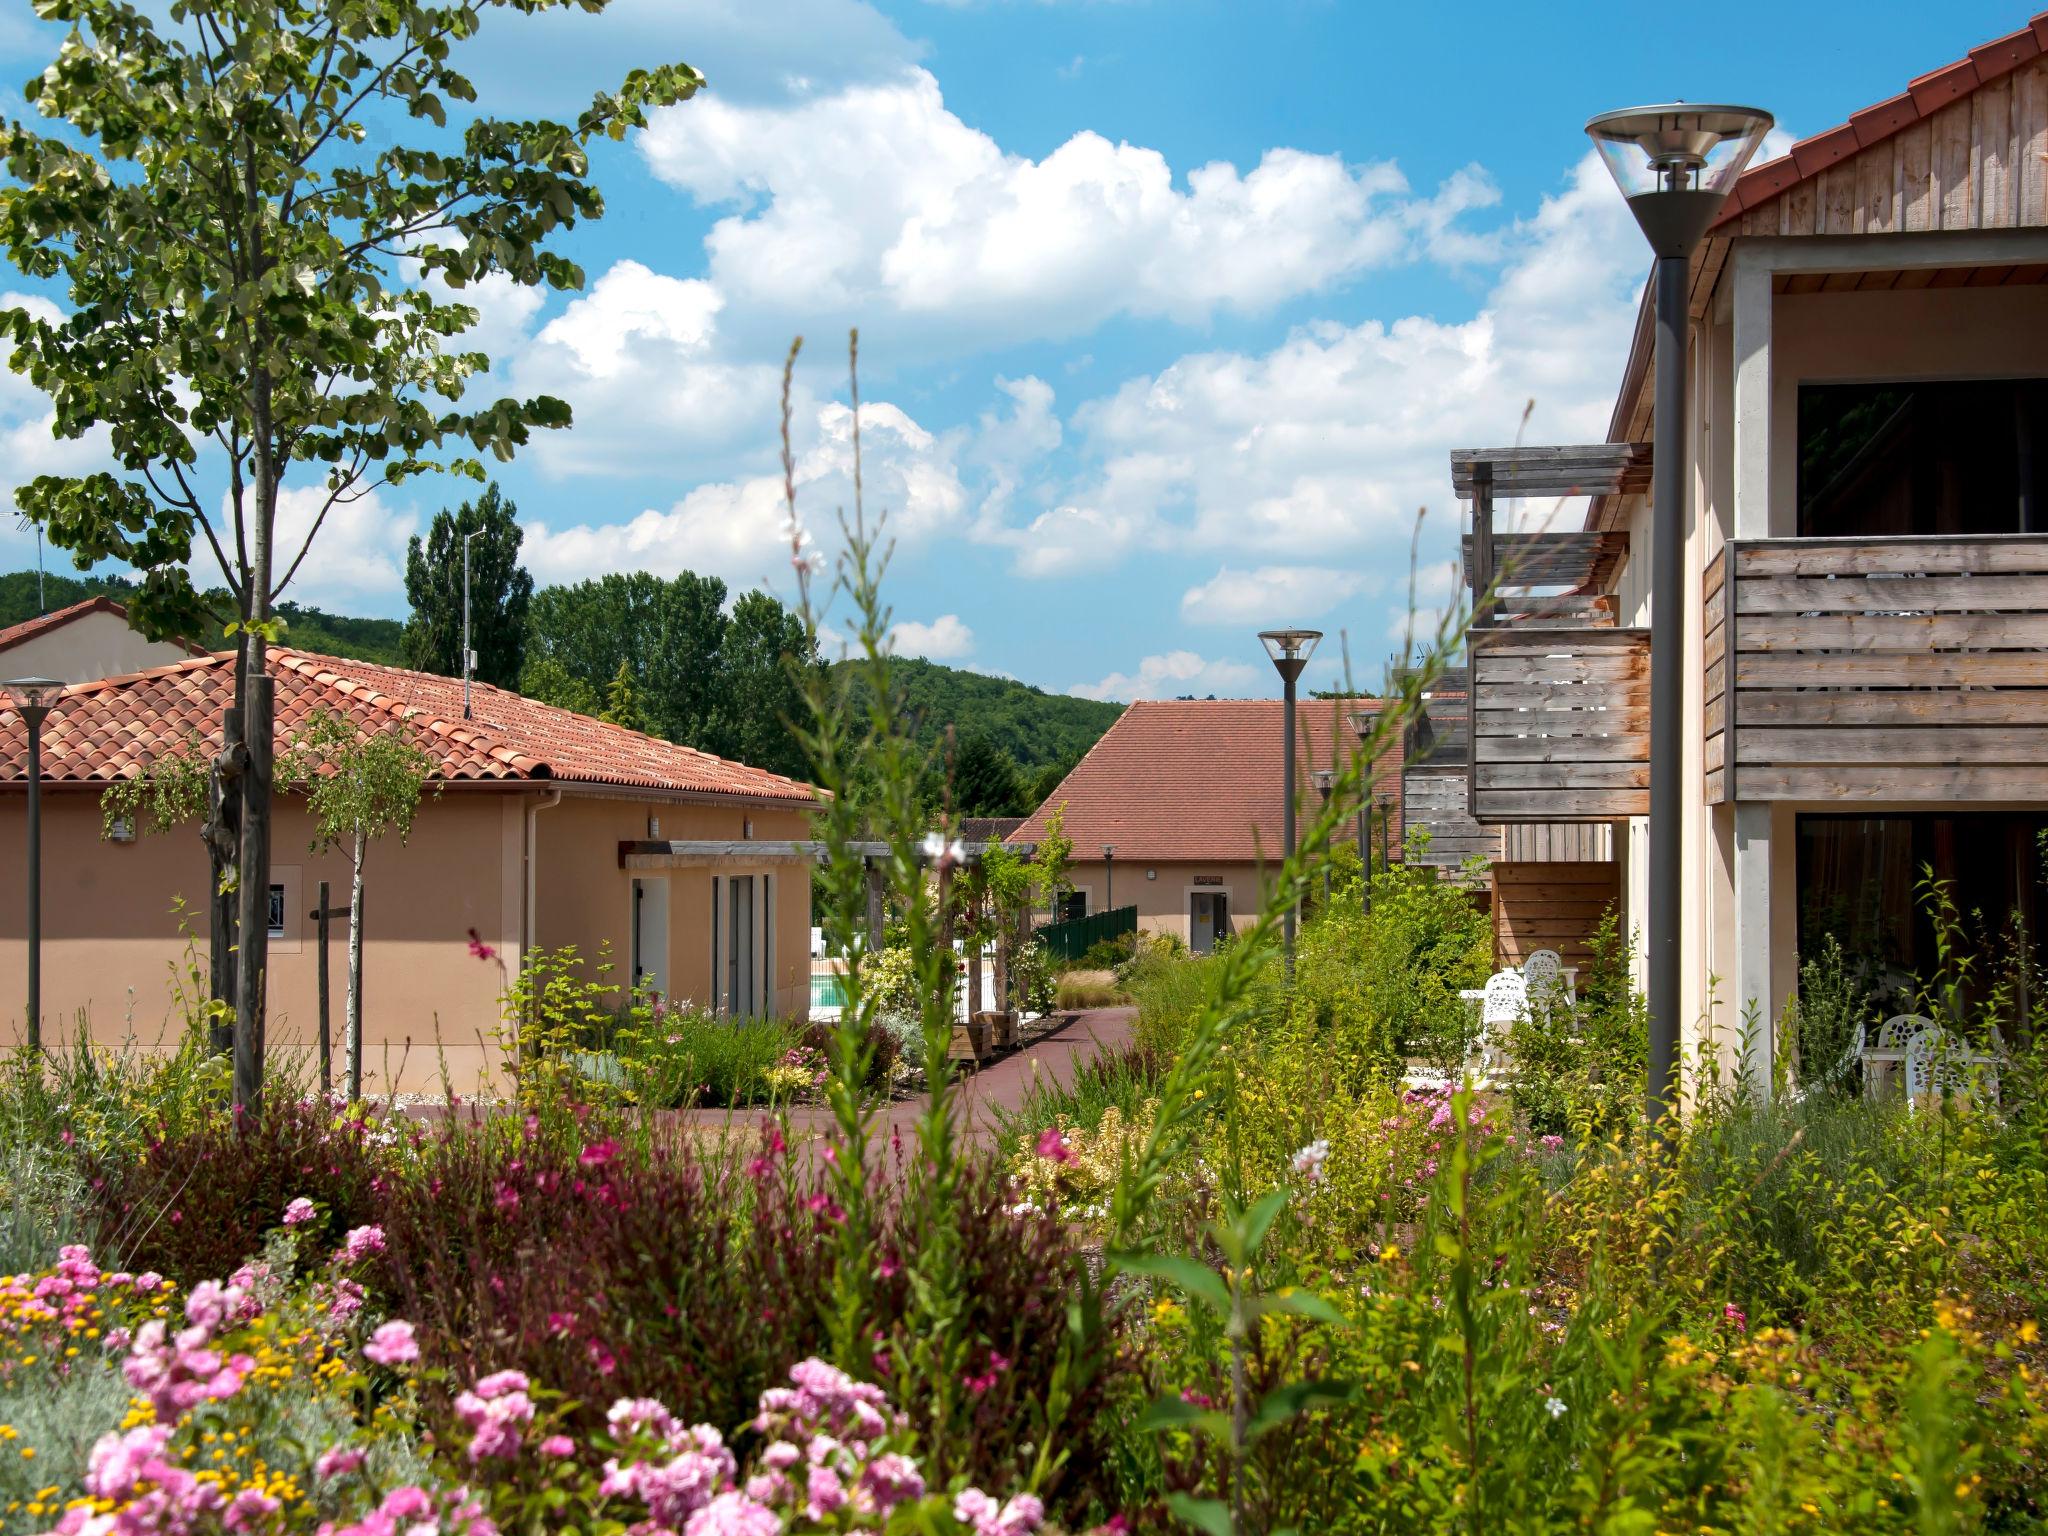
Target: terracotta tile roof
[[1922, 97], [1197, 779], [28, 629], [115, 727]]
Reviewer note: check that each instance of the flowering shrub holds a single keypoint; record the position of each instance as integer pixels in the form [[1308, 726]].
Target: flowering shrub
[[199, 1203], [198, 1452], [1069, 1168]]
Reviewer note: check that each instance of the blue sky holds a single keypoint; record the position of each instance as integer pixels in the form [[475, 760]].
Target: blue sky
[[1170, 309]]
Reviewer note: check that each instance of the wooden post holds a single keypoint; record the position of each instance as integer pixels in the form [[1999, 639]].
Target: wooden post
[[326, 1032], [874, 909]]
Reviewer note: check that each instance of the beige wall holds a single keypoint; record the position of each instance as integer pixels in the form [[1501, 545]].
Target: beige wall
[[91, 646], [1162, 899], [110, 937], [588, 900]]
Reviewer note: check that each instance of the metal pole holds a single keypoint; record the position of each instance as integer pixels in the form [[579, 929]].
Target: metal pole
[[326, 1033], [1365, 847], [32, 716], [1667, 683], [1109, 882], [465, 624], [1287, 805]]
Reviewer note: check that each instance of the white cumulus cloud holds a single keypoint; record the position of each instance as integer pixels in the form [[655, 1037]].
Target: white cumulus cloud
[[1172, 675], [944, 639], [1269, 595], [732, 528], [878, 200], [1323, 448]]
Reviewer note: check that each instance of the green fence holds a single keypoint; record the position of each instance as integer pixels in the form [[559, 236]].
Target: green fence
[[1072, 940]]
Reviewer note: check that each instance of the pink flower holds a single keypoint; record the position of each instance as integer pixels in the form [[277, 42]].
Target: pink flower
[[361, 1243], [599, 1153], [1737, 1316], [891, 1480], [734, 1514], [299, 1212], [249, 1508], [1053, 1146], [392, 1344], [560, 1447], [337, 1461], [824, 1494], [478, 949], [503, 1384], [1551, 1143], [982, 1515]]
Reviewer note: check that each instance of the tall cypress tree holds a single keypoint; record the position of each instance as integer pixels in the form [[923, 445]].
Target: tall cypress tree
[[500, 592]]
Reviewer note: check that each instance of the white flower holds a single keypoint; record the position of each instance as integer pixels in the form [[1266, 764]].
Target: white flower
[[1554, 1406], [944, 853], [1308, 1162]]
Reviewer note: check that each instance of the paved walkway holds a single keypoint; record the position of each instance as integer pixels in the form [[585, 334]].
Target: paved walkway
[[1002, 1085]]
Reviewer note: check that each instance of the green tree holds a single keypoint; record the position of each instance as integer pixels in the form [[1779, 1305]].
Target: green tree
[[985, 779], [621, 707], [229, 231], [547, 680], [666, 634], [1049, 779], [500, 592], [359, 786], [760, 667]]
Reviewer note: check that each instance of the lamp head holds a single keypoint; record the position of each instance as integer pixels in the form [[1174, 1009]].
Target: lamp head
[[1676, 164], [32, 697], [1290, 649], [1108, 851], [1325, 780]]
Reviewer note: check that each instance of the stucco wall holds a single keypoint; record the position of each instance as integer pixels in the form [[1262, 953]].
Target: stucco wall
[[110, 936], [584, 898], [94, 645], [1162, 900]]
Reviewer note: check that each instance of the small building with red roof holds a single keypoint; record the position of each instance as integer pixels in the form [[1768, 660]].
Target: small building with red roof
[[522, 841], [1178, 809], [86, 640]]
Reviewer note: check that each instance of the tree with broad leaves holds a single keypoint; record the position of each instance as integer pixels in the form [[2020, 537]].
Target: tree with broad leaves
[[500, 591], [260, 298], [359, 785]]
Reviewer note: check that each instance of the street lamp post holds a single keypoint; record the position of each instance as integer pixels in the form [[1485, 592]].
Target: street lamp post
[[1325, 780], [1108, 877], [33, 698], [468, 656], [1676, 165], [1290, 650], [1361, 723]]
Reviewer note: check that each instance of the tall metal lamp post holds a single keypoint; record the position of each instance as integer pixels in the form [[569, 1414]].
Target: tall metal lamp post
[[33, 698], [1361, 723], [1325, 780], [468, 655], [1290, 650], [1676, 165]]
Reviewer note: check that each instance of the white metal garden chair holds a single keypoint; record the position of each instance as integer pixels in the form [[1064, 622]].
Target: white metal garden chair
[[1503, 1005], [1940, 1063], [1893, 1036]]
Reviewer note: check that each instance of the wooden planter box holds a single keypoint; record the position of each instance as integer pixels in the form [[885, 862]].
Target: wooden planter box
[[1001, 1029], [970, 1041]]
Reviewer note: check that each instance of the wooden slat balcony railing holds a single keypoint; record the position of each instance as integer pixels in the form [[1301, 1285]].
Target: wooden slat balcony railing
[[1911, 669], [1560, 724]]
